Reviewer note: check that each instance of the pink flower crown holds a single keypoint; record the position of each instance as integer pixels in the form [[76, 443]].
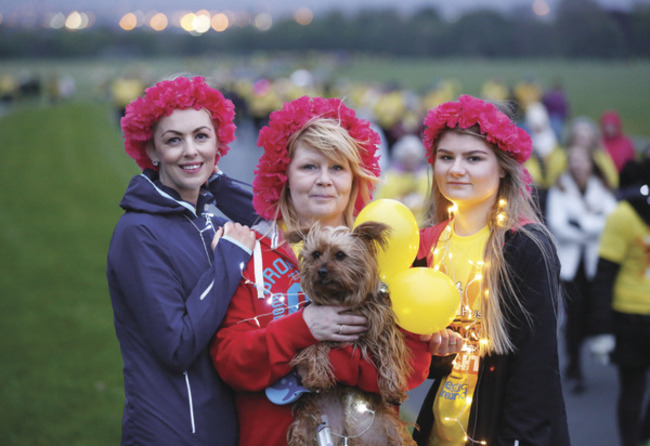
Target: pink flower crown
[[271, 170], [495, 125], [161, 100]]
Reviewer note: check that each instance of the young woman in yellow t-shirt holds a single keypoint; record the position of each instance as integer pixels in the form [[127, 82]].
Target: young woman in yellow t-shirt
[[501, 384]]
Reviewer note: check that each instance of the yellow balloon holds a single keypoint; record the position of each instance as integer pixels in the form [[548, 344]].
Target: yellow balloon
[[404, 239], [424, 300]]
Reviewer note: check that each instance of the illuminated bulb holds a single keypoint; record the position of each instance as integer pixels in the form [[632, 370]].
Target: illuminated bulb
[[501, 217], [502, 202], [450, 255], [362, 408], [478, 276], [436, 268]]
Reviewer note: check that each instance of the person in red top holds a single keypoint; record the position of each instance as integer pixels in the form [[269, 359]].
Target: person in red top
[[619, 146], [318, 165]]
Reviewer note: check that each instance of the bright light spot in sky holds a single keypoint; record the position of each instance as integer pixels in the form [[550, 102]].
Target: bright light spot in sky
[[74, 20], [220, 22], [57, 21], [304, 16], [128, 21], [263, 21], [541, 8], [158, 22]]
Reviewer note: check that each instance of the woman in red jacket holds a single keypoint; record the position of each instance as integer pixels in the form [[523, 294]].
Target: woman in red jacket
[[503, 387], [319, 165]]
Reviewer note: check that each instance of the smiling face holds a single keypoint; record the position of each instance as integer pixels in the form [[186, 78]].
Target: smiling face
[[185, 145], [467, 171], [319, 187]]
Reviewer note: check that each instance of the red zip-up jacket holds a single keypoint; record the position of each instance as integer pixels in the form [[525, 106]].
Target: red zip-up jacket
[[262, 332]]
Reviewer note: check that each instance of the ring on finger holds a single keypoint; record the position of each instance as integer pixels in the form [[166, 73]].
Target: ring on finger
[[340, 328]]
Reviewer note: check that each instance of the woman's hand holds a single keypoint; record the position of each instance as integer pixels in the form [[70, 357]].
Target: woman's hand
[[332, 323], [443, 343], [243, 234]]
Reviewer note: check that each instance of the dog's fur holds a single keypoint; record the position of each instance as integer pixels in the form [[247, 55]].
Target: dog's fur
[[338, 266]]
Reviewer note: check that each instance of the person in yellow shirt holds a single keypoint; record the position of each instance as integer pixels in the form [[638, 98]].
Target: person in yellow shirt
[[496, 371], [621, 291]]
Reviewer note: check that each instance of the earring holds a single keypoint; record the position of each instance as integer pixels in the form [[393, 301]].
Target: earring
[[155, 163]]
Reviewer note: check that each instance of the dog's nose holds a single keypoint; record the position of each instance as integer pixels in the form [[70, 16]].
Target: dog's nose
[[323, 272]]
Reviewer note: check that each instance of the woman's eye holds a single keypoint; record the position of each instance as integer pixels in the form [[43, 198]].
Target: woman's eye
[[172, 141], [338, 168], [202, 137]]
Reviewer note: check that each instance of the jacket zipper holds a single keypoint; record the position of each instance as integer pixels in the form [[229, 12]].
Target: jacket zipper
[[189, 397]]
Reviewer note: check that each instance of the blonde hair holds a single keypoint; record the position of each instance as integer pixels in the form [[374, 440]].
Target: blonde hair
[[513, 209], [334, 142]]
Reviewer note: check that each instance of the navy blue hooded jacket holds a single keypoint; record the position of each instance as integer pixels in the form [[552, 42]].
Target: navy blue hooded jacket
[[169, 293]]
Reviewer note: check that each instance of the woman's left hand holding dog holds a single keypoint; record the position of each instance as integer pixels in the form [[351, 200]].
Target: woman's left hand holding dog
[[332, 323]]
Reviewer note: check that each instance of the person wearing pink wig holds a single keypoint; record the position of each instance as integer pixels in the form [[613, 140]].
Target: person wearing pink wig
[[502, 384], [319, 165], [173, 266]]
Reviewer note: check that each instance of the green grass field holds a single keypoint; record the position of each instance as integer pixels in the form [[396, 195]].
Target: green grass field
[[60, 376]]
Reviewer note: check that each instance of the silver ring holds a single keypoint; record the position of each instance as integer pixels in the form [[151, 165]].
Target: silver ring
[[340, 328]]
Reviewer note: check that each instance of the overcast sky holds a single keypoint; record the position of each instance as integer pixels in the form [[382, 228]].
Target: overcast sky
[[275, 7]]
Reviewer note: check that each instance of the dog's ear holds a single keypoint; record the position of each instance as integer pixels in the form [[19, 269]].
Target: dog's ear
[[300, 234], [295, 236], [373, 231]]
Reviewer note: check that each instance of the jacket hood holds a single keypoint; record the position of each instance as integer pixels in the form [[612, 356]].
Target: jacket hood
[[146, 193], [612, 118]]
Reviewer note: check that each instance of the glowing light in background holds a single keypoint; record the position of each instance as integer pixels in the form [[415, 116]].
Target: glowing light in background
[[202, 21], [128, 21], [541, 8], [263, 21], [187, 21], [77, 20], [57, 21], [220, 22], [158, 22], [304, 16]]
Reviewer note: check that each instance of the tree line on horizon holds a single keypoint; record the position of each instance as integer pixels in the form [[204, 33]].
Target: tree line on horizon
[[579, 29]]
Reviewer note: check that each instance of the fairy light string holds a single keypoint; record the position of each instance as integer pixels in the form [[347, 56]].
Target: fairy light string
[[467, 323], [272, 298]]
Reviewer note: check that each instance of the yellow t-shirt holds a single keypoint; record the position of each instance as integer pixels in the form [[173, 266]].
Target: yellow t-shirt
[[626, 241], [461, 258]]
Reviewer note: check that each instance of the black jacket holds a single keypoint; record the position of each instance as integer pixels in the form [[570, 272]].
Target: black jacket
[[518, 396]]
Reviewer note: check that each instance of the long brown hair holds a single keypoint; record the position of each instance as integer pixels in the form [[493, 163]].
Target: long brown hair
[[514, 208]]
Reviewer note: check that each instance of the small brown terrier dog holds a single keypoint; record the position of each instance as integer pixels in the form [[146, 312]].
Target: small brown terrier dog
[[338, 266]]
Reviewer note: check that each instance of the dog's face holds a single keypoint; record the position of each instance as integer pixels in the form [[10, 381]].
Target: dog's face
[[338, 266]]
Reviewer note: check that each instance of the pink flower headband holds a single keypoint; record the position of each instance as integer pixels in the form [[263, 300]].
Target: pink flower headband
[[497, 128], [271, 170], [161, 100]]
